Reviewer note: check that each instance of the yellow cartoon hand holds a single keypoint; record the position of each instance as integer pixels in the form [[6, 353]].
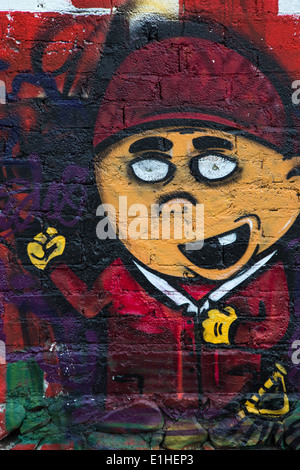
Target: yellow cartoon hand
[[261, 403], [216, 326], [44, 247]]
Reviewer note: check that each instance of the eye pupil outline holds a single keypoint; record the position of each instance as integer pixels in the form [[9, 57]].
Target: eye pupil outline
[[164, 171], [170, 168], [217, 162]]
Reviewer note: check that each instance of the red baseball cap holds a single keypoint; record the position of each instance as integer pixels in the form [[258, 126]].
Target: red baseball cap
[[190, 80]]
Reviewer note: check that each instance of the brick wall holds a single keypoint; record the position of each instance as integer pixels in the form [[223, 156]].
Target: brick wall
[[149, 225]]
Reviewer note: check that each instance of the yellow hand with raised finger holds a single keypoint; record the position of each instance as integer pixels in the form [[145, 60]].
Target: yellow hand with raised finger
[[216, 326], [44, 247]]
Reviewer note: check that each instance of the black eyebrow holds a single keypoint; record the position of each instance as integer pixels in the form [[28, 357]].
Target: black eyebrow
[[204, 143], [293, 172], [151, 143]]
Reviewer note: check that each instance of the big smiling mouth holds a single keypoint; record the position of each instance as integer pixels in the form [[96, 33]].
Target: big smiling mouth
[[220, 252]]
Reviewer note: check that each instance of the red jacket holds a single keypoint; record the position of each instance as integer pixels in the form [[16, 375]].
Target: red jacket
[[152, 347]]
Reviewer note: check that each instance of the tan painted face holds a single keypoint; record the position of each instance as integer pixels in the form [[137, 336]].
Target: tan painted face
[[249, 195]]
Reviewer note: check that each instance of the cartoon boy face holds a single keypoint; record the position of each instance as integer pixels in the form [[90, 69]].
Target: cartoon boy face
[[249, 192]]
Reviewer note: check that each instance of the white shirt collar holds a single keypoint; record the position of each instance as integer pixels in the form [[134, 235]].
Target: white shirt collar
[[215, 295]]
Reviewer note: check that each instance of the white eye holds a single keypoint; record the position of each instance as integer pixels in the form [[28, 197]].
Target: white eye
[[215, 167], [151, 170]]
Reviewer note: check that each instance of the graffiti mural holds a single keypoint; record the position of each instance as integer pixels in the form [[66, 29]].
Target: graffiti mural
[[149, 226]]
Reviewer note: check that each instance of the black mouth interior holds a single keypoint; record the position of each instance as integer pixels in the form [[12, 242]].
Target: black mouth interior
[[213, 255]]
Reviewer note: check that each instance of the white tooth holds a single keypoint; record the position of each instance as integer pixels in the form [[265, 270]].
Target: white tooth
[[227, 239]]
